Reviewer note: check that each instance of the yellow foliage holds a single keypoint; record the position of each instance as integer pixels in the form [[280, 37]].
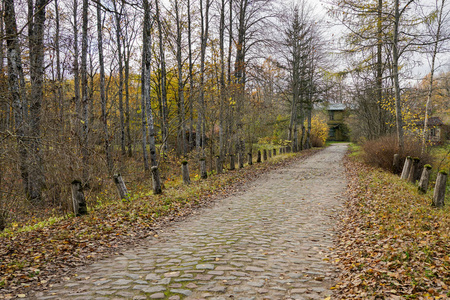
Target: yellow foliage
[[319, 129]]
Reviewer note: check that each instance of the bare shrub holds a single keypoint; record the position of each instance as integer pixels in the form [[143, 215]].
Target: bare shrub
[[380, 152]]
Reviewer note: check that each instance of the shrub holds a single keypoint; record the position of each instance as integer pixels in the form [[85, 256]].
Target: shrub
[[380, 152], [319, 131]]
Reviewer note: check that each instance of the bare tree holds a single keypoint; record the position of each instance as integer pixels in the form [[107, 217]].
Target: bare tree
[[17, 88], [104, 118], [36, 42], [435, 33]]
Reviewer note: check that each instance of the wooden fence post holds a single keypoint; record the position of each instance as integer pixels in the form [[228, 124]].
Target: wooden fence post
[[412, 170], [203, 173], [424, 179], [240, 160], [121, 187], [396, 164], [185, 172], [232, 163], [78, 200], [258, 159], [218, 165], [406, 167], [156, 179], [439, 189]]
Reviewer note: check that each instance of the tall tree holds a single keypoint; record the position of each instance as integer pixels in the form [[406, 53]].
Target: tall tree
[[146, 59], [162, 57], [109, 162], [36, 42], [179, 28], [84, 93], [201, 127], [435, 33], [17, 89], [118, 12]]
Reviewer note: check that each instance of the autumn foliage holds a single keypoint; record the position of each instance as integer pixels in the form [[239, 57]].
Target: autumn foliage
[[319, 131], [392, 243]]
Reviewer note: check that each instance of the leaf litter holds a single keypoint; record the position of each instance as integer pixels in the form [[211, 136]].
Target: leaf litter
[[34, 260]]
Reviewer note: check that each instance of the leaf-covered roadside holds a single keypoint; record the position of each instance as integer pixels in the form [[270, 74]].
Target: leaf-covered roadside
[[392, 243], [35, 259]]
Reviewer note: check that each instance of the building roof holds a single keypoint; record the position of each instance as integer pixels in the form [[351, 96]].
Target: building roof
[[432, 121], [336, 106]]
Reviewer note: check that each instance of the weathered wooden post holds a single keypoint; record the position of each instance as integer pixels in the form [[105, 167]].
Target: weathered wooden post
[[406, 167], [424, 179], [156, 179], [264, 154], [240, 160], [275, 152], [258, 159], [396, 164], [249, 159], [121, 187], [185, 172], [232, 163], [412, 171], [218, 165], [78, 200], [203, 173], [439, 189]]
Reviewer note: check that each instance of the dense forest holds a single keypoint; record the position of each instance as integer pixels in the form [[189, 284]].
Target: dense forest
[[95, 88]]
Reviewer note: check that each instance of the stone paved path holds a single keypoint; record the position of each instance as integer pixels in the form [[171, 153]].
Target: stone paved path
[[267, 243]]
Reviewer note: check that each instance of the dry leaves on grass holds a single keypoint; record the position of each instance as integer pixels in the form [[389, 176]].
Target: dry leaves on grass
[[35, 259], [392, 243]]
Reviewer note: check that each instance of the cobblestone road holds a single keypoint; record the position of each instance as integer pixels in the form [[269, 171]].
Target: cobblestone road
[[269, 242]]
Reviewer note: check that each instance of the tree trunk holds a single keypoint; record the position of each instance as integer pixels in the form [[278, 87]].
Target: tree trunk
[[191, 82], [395, 65], [76, 69], [430, 88], [17, 89], [180, 79], [250, 158], [117, 15], [84, 95], [109, 161], [165, 113], [36, 40], [264, 154], [258, 160], [127, 97], [58, 69]]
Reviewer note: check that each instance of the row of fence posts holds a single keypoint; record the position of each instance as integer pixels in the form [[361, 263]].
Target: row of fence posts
[[79, 201], [412, 173]]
